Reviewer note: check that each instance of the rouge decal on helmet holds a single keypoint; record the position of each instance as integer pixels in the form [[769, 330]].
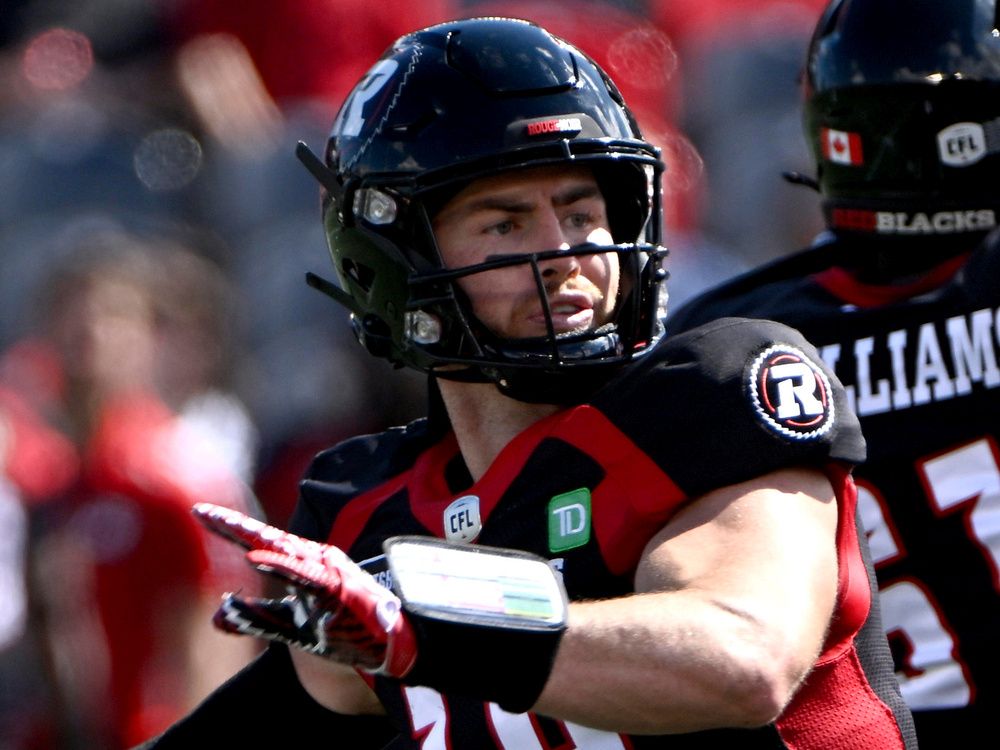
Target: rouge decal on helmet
[[790, 393], [564, 125], [857, 219]]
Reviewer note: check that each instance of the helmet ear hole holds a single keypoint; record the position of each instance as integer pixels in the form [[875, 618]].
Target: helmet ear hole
[[374, 334], [362, 275]]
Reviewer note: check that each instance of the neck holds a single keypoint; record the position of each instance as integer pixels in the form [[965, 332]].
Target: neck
[[485, 420]]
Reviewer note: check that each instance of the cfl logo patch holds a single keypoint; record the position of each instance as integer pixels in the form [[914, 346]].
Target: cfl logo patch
[[462, 521], [790, 393]]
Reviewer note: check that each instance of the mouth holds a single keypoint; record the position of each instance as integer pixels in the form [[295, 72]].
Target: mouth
[[570, 312]]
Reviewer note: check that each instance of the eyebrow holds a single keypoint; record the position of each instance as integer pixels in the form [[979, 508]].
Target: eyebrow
[[513, 204]]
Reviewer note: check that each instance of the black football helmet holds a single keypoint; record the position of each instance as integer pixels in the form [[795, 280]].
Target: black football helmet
[[902, 112], [442, 107]]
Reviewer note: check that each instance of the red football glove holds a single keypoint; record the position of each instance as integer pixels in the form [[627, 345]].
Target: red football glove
[[334, 608]]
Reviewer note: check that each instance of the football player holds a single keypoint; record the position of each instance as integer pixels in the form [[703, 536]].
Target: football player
[[902, 298], [598, 538]]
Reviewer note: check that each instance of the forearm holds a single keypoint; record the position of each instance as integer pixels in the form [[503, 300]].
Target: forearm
[[335, 686], [669, 662], [212, 656]]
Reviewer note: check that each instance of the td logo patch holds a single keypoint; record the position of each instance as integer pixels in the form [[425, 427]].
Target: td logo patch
[[569, 520], [790, 393]]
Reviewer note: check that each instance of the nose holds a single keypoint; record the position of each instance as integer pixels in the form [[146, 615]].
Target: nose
[[552, 236], [556, 270]]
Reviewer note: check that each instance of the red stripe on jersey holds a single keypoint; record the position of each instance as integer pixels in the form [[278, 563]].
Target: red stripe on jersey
[[429, 506], [836, 707], [845, 286], [427, 486], [854, 596], [353, 517], [635, 499]]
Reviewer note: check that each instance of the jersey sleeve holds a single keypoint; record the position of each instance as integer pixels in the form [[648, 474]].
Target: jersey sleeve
[[732, 400], [338, 475]]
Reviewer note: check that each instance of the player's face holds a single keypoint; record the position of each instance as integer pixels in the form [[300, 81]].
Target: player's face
[[542, 208], [105, 330]]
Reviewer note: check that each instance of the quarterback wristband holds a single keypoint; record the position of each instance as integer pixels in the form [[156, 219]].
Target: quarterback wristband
[[487, 620]]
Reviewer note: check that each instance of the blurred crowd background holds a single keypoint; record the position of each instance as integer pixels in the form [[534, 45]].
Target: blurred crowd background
[[159, 345]]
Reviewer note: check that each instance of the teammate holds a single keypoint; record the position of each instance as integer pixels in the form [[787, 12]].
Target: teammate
[[493, 215], [901, 297], [119, 644]]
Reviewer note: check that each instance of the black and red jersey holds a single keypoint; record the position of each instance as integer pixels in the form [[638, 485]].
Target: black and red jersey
[[589, 486], [921, 366]]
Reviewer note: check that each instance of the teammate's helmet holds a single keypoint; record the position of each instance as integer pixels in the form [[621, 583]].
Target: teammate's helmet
[[444, 106], [903, 115]]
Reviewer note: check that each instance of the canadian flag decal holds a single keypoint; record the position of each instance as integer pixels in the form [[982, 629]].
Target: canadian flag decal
[[841, 147]]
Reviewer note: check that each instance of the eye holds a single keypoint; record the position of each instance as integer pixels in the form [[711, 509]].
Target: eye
[[500, 227], [580, 220]]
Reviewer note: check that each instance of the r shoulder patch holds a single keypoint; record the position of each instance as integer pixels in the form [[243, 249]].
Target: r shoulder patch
[[790, 393]]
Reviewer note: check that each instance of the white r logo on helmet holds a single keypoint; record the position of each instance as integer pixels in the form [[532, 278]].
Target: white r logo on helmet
[[351, 118]]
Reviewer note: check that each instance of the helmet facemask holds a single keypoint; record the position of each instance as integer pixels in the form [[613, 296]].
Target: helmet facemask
[[440, 319]]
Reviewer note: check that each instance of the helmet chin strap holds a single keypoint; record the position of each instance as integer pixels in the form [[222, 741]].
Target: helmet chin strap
[[590, 344], [564, 388], [524, 380]]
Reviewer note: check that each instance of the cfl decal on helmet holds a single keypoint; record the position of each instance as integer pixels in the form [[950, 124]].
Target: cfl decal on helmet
[[790, 394], [966, 143]]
